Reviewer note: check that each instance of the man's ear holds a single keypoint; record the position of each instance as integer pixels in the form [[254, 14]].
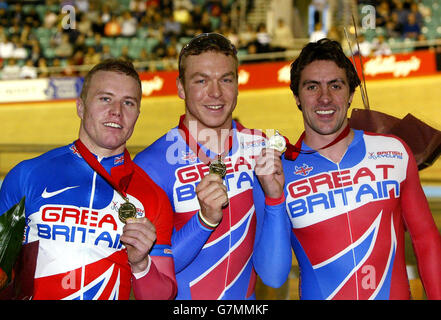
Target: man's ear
[[298, 102], [180, 85], [80, 108], [350, 99]]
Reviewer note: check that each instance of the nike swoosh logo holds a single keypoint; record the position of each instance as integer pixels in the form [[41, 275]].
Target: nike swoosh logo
[[47, 194]]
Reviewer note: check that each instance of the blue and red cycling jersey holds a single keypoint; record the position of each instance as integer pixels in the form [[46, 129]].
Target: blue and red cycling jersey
[[73, 213], [220, 263], [349, 219]]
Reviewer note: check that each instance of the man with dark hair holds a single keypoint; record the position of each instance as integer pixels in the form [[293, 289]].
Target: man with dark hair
[[323, 50], [350, 194], [101, 223], [226, 228]]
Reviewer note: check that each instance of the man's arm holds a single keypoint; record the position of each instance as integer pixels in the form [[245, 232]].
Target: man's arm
[[153, 275], [157, 282], [272, 255], [188, 241], [149, 252], [425, 237]]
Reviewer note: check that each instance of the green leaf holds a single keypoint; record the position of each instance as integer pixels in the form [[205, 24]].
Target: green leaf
[[12, 224]]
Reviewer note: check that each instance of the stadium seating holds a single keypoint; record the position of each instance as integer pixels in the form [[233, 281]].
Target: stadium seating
[[144, 40]]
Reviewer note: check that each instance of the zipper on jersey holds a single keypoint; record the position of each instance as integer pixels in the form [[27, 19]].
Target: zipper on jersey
[[229, 250], [83, 264], [345, 200], [351, 238]]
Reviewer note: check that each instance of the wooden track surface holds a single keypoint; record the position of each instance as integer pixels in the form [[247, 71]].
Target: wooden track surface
[[56, 123]]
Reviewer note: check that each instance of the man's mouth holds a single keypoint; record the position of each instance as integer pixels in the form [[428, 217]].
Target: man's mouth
[[214, 107], [325, 112], [113, 125]]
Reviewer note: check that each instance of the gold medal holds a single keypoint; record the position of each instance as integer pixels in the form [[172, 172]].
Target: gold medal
[[126, 211], [218, 167], [277, 142]]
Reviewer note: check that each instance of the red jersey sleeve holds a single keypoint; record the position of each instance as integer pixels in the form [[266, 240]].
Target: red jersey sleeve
[[159, 282], [425, 237], [157, 206]]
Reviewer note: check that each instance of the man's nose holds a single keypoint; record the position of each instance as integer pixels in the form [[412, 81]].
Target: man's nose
[[214, 89], [325, 95], [116, 107]]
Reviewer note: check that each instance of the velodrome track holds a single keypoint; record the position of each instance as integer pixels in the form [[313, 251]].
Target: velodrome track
[[29, 129], [56, 123]]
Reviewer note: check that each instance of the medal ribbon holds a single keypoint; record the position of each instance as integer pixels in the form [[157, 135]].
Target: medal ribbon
[[196, 148], [293, 151], [118, 182]]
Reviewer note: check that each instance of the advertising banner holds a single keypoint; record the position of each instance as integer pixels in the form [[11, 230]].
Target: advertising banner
[[45, 89], [277, 74], [251, 76], [64, 88], [417, 63], [23, 90]]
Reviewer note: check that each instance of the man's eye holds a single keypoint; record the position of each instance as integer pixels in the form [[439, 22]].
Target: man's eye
[[129, 103], [105, 99]]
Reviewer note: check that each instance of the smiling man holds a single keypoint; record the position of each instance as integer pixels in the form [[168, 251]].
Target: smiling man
[[351, 195], [213, 171], [101, 223]]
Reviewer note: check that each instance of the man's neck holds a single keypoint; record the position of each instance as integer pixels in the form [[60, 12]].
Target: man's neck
[[211, 138], [334, 152], [101, 152]]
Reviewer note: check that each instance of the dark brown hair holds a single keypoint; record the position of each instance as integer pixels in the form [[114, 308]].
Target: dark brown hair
[[206, 42], [324, 49]]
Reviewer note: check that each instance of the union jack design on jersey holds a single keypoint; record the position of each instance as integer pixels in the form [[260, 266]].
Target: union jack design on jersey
[[97, 281], [211, 264], [190, 156], [348, 219], [225, 260], [302, 170], [118, 160], [73, 214]]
